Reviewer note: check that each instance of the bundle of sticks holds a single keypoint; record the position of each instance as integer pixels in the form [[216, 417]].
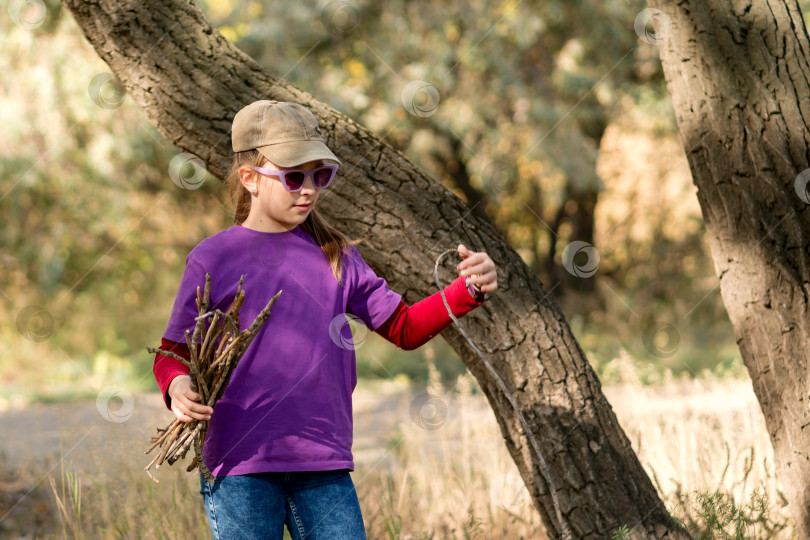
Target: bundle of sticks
[[210, 367]]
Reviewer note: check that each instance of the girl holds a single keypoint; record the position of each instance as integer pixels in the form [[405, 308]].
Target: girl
[[280, 442]]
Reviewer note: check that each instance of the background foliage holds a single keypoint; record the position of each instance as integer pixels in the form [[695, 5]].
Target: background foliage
[[550, 118]]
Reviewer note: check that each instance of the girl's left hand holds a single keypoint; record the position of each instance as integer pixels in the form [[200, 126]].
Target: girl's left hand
[[479, 267]]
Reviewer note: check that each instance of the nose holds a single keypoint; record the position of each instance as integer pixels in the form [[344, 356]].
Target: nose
[[309, 183]]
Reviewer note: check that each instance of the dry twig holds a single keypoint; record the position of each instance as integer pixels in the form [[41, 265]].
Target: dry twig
[[209, 370]]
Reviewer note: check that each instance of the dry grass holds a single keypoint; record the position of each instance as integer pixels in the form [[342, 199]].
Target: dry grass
[[415, 482]]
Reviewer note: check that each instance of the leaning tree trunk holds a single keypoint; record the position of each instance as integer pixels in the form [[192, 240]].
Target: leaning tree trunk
[[738, 74], [190, 82]]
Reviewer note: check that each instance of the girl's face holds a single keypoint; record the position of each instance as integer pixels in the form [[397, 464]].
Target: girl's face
[[273, 208]]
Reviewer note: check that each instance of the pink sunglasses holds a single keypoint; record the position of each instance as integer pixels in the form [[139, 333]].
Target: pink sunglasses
[[293, 179]]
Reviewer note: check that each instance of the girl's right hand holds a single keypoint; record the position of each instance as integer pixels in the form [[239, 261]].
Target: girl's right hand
[[184, 401]]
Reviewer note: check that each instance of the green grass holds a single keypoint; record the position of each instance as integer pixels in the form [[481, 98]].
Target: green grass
[[716, 513]]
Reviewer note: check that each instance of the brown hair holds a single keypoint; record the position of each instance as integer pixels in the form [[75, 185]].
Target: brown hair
[[238, 198]]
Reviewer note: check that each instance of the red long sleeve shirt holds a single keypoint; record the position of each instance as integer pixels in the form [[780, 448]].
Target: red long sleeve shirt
[[408, 327]]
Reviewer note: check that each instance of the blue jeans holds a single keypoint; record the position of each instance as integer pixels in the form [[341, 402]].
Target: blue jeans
[[314, 505]]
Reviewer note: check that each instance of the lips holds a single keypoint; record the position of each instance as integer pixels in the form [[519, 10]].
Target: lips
[[303, 205]]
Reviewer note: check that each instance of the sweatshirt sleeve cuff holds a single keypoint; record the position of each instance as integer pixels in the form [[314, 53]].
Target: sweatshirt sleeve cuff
[[464, 297], [476, 294]]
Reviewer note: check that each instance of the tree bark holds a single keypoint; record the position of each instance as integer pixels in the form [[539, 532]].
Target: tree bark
[[190, 82], [738, 74]]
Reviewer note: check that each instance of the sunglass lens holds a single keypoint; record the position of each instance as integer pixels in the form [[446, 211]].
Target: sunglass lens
[[295, 180], [322, 177]]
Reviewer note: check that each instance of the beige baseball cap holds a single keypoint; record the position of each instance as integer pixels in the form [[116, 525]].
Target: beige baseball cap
[[286, 133]]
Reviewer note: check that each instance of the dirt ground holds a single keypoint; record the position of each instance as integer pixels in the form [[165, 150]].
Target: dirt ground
[[85, 435]]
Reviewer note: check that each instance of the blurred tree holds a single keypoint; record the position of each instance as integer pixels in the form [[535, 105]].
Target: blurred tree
[[739, 75], [190, 81], [513, 98], [85, 210]]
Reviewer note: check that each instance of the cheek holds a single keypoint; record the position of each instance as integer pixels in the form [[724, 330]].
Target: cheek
[[280, 204], [278, 197]]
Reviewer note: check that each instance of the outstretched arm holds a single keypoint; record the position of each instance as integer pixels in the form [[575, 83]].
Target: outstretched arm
[[410, 327]]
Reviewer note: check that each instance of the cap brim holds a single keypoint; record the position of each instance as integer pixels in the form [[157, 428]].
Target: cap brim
[[294, 153]]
